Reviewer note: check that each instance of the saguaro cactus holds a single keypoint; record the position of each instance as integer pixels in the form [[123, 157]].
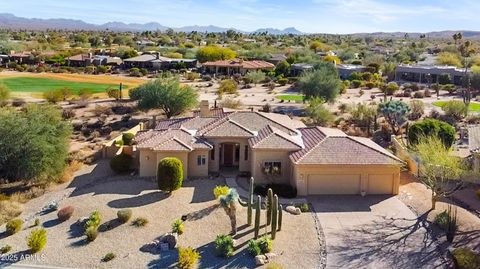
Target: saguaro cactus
[[258, 207], [274, 216], [269, 206], [280, 217], [250, 202]]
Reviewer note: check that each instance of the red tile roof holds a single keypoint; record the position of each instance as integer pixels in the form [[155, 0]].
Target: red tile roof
[[241, 64]]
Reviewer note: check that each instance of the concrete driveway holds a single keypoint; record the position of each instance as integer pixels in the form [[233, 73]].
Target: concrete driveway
[[375, 232]]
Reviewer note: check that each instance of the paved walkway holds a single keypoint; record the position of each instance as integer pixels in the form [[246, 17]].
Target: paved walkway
[[375, 232], [232, 183]]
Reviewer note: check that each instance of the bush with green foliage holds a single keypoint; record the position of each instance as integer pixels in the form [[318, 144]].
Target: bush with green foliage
[[390, 88], [322, 82], [178, 226], [121, 163], [441, 219], [170, 174], [40, 129], [5, 249], [93, 220], [255, 77], [124, 215], [318, 113], [37, 240], [108, 257], [224, 245], [260, 246], [65, 213], [227, 86], [91, 233], [14, 226], [354, 84], [432, 127], [4, 94], [166, 94], [220, 190], [465, 258], [140, 222], [395, 113], [187, 258], [455, 109], [417, 108], [128, 138]]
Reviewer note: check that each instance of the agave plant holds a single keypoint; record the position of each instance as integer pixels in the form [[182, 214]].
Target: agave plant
[[229, 204]]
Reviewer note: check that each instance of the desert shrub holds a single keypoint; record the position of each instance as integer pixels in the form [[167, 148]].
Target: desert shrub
[[124, 215], [140, 222], [128, 138], [14, 226], [356, 84], [253, 248], [465, 259], [282, 190], [450, 88], [170, 174], [417, 109], [224, 245], [455, 109], [283, 81], [93, 220], [220, 190], [108, 257], [227, 86], [5, 249], [207, 78], [37, 240], [427, 93], [432, 127], [121, 163], [192, 76], [4, 94], [91, 233], [370, 84], [178, 226], [441, 219], [37, 222], [260, 246], [391, 88], [65, 213], [419, 95], [187, 258], [230, 103], [135, 72], [53, 96], [304, 207]]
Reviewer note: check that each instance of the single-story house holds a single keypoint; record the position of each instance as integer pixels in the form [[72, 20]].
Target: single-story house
[[300, 68], [273, 148], [428, 73], [87, 59], [24, 57], [345, 70], [277, 58], [236, 66], [157, 62]]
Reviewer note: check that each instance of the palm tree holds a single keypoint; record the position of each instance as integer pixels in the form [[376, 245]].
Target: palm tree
[[229, 204]]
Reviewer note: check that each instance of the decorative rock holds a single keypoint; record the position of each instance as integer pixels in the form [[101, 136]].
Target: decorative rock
[[170, 238], [293, 210], [151, 247], [270, 256], [260, 260]]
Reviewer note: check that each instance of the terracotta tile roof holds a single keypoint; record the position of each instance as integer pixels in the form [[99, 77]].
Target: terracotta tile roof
[[172, 139], [214, 112], [330, 146], [271, 138], [173, 144], [171, 123], [241, 64], [227, 128], [255, 121]]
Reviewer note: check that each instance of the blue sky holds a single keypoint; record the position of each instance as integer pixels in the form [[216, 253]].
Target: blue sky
[[313, 16]]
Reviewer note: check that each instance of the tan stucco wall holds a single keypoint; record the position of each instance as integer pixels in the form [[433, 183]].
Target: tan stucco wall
[[261, 156], [149, 161], [380, 176], [194, 170], [243, 165]]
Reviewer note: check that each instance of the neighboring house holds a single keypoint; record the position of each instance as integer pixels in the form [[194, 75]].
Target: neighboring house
[[24, 57], [345, 70], [157, 62], [236, 66], [87, 59], [3, 59], [277, 58], [428, 73], [273, 148], [300, 68]]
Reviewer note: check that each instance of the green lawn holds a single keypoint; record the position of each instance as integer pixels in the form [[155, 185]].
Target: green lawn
[[291, 97], [40, 85], [474, 107]]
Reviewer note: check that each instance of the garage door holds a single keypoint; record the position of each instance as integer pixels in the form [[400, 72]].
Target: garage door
[[380, 184], [333, 184]]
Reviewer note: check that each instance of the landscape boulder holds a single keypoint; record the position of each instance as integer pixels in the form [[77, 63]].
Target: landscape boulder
[[293, 210], [169, 238]]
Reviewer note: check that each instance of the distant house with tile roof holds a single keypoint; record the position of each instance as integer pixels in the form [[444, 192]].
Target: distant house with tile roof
[[273, 148], [87, 59], [236, 66], [154, 61]]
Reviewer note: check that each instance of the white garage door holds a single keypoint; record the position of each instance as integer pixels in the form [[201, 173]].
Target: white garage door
[[380, 184], [333, 184]]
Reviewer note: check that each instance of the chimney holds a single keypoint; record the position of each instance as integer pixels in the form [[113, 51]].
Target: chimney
[[204, 109]]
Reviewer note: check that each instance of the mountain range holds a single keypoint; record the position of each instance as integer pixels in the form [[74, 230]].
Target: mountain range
[[10, 21]]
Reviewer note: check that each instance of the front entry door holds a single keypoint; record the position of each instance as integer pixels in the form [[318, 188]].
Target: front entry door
[[228, 154]]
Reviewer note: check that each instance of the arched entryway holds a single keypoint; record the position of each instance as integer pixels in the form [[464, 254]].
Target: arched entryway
[[229, 156]]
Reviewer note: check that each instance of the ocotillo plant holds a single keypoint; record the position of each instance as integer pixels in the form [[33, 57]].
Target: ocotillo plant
[[269, 206], [258, 207], [280, 217], [274, 216], [250, 202]]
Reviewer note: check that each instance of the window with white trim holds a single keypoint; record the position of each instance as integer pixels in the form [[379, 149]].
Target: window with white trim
[[272, 168], [201, 160]]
